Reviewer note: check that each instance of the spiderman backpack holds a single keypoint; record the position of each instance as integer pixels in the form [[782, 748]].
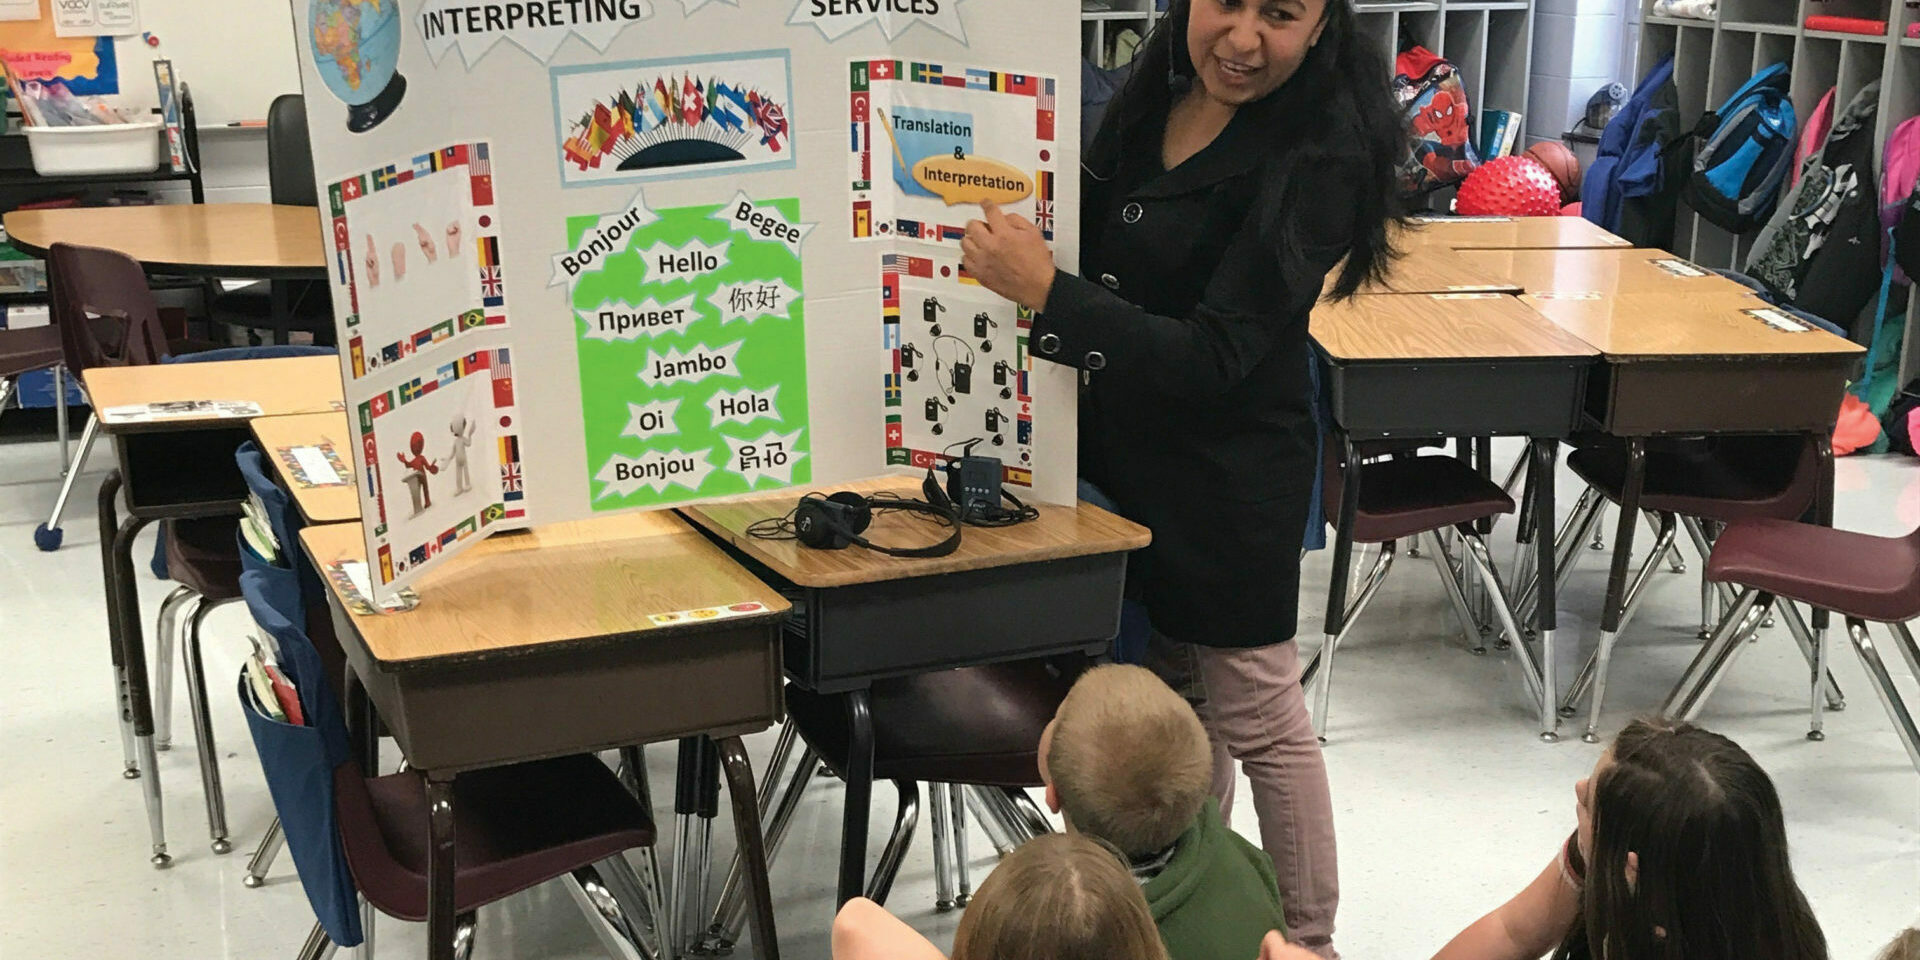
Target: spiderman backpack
[[1429, 90]]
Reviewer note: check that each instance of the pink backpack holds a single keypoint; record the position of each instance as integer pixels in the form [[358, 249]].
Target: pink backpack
[[1814, 134], [1899, 177]]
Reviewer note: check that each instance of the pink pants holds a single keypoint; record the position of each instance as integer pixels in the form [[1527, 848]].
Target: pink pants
[[1256, 712]]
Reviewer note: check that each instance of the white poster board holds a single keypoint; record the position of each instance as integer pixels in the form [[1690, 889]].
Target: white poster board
[[600, 255]]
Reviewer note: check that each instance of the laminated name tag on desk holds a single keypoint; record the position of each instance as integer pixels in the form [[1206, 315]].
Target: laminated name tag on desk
[[315, 466], [1777, 320], [181, 410]]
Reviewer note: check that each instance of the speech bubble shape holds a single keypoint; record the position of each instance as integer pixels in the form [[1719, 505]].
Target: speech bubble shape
[[763, 222], [972, 179], [693, 5], [753, 300], [646, 421], [690, 262], [538, 28], [602, 240], [623, 476], [618, 320], [692, 366], [768, 455], [745, 405], [837, 18]]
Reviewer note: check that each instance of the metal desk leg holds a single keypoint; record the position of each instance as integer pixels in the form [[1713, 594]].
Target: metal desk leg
[[441, 921], [126, 594], [853, 820], [1615, 609], [1546, 456], [123, 713], [281, 312], [1342, 568], [686, 802], [708, 808], [746, 828]]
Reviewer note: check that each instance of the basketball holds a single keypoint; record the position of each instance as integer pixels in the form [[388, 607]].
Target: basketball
[[1509, 187], [1560, 162]]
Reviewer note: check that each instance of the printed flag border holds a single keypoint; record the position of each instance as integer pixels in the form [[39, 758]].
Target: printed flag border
[[488, 308], [394, 561], [865, 75], [894, 267]]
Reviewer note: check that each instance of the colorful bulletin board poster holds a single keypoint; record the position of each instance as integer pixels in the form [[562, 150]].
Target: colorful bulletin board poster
[[603, 255], [33, 51]]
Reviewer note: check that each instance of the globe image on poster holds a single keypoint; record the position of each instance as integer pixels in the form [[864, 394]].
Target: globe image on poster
[[356, 47]]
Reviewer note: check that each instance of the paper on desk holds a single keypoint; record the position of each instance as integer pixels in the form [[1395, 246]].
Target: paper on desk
[[315, 466], [180, 410]]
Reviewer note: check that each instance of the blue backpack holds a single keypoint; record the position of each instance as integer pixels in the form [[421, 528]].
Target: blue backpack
[[1632, 187], [1743, 152]]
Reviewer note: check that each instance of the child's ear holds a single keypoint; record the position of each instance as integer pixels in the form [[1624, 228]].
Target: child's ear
[[1053, 798]]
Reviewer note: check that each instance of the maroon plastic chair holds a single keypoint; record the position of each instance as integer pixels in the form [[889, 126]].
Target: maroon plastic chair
[[975, 727], [1865, 579], [514, 828], [104, 315], [1406, 498], [1696, 484]]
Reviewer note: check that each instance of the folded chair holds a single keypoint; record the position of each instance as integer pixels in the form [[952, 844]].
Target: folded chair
[[1863, 578]]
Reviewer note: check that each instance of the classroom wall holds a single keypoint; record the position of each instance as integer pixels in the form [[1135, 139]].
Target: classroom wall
[[1576, 50], [235, 164]]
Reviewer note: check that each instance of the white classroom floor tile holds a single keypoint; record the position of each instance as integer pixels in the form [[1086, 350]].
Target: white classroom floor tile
[[1446, 802]]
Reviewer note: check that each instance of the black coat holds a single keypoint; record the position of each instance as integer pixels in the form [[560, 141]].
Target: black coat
[[1190, 317]]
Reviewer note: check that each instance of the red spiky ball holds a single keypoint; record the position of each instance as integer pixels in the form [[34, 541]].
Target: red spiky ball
[[1509, 187]]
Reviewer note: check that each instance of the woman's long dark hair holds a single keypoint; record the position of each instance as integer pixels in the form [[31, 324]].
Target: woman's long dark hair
[[1339, 104], [1714, 881]]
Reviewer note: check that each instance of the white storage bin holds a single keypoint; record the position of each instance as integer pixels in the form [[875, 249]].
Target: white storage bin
[[109, 148]]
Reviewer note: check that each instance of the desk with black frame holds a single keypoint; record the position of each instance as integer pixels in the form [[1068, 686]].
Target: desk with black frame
[[1049, 586]]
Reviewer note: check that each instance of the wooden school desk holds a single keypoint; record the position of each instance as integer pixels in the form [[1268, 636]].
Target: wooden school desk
[[252, 240], [1048, 586], [1453, 365], [1600, 273], [179, 468], [1698, 363], [1508, 233], [1434, 269], [328, 504], [565, 639]]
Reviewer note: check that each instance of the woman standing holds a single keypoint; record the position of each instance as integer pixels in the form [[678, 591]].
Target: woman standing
[[1252, 150]]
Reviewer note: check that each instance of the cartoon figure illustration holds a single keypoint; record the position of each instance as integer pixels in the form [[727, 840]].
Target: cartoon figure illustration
[[1440, 131], [428, 248], [373, 263], [462, 430], [416, 477], [453, 239], [399, 262]]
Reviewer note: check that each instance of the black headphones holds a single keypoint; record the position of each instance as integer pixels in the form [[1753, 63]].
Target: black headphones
[[836, 521]]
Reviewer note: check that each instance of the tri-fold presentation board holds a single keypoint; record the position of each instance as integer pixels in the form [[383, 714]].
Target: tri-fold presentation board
[[601, 255]]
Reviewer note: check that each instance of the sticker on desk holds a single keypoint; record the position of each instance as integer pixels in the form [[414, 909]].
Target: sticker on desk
[[181, 410], [1679, 268], [315, 466], [1777, 320], [1488, 289], [349, 578], [1467, 296], [1481, 219], [704, 614], [1567, 295]]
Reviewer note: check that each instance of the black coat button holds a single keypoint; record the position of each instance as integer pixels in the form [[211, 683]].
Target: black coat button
[[1131, 213], [1049, 343], [1110, 281], [1096, 360]]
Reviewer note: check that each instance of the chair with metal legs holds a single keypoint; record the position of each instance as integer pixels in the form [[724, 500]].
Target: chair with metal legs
[[971, 735], [1404, 499], [1695, 485], [1865, 579]]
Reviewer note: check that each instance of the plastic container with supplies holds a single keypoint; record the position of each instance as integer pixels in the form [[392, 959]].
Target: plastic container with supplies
[[106, 148]]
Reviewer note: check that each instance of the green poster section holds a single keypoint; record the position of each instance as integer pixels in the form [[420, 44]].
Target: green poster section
[[692, 353]]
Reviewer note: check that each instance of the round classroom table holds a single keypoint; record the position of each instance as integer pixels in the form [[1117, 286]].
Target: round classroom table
[[242, 240]]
